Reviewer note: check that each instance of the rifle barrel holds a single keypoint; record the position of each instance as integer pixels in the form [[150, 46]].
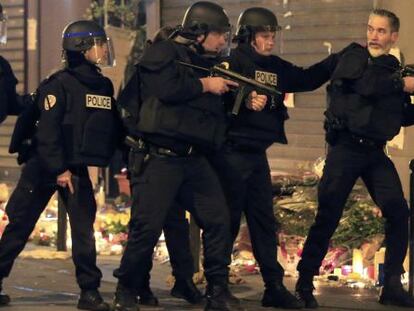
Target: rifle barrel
[[239, 77], [233, 75]]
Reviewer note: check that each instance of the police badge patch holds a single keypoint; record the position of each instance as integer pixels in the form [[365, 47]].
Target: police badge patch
[[49, 102], [97, 101], [264, 77]]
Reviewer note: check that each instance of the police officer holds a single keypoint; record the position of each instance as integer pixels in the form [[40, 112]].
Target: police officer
[[243, 166], [10, 102], [365, 110], [78, 126], [176, 227], [181, 115]]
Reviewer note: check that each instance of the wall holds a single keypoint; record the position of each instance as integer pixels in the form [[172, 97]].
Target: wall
[[54, 17]]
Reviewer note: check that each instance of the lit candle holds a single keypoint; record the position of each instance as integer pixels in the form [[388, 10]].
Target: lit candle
[[346, 269], [337, 272], [357, 265]]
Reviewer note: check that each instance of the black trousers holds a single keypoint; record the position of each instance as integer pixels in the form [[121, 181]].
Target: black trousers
[[27, 202], [177, 239], [245, 178], [164, 180], [345, 163]]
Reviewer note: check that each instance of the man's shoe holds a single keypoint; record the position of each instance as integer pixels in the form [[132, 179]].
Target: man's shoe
[[304, 292], [277, 296], [125, 299], [219, 298], [395, 295], [4, 299], [186, 289], [147, 297], [91, 300]]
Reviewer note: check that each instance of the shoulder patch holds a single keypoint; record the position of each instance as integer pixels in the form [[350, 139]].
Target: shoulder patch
[[49, 102]]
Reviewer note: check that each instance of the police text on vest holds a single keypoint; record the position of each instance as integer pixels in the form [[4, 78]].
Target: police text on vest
[[96, 101], [268, 78]]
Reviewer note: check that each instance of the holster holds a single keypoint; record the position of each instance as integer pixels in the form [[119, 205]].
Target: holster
[[333, 126], [331, 134], [136, 161]]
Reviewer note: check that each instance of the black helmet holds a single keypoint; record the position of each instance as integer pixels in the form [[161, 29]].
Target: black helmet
[[254, 20], [203, 17], [81, 35]]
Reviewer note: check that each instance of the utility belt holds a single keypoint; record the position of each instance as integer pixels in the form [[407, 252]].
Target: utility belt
[[361, 140], [232, 146], [141, 146]]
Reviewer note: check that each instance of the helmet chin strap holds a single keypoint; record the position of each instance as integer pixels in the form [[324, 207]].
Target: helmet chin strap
[[199, 47], [195, 44], [182, 40]]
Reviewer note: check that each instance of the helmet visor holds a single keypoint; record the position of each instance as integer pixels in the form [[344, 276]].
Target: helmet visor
[[3, 28], [102, 52], [225, 51], [217, 43]]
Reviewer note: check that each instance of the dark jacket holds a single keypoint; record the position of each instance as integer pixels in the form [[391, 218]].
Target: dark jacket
[[258, 130], [175, 113], [10, 102], [366, 94], [79, 123]]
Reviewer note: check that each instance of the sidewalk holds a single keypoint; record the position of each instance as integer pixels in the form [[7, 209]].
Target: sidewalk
[[49, 284]]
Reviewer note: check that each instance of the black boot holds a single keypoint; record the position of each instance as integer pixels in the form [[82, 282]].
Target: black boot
[[277, 296], [393, 293], [186, 289], [147, 297], [91, 299], [4, 298], [219, 298], [304, 292], [125, 299]]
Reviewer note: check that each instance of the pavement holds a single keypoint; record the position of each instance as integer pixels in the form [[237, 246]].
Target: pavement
[[49, 284]]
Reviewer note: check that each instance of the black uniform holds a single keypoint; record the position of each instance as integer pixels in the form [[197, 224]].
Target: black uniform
[[78, 127], [10, 102], [366, 103], [243, 166], [178, 121], [176, 228]]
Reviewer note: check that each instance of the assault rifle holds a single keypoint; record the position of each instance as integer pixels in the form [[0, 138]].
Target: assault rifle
[[407, 71], [245, 84]]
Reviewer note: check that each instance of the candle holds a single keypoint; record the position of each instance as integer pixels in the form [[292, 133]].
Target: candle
[[371, 272], [337, 272], [346, 269], [357, 265]]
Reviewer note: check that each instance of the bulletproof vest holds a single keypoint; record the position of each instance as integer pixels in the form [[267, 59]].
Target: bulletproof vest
[[199, 122], [22, 141], [259, 129], [3, 96], [7, 90], [129, 102], [376, 117], [90, 125]]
